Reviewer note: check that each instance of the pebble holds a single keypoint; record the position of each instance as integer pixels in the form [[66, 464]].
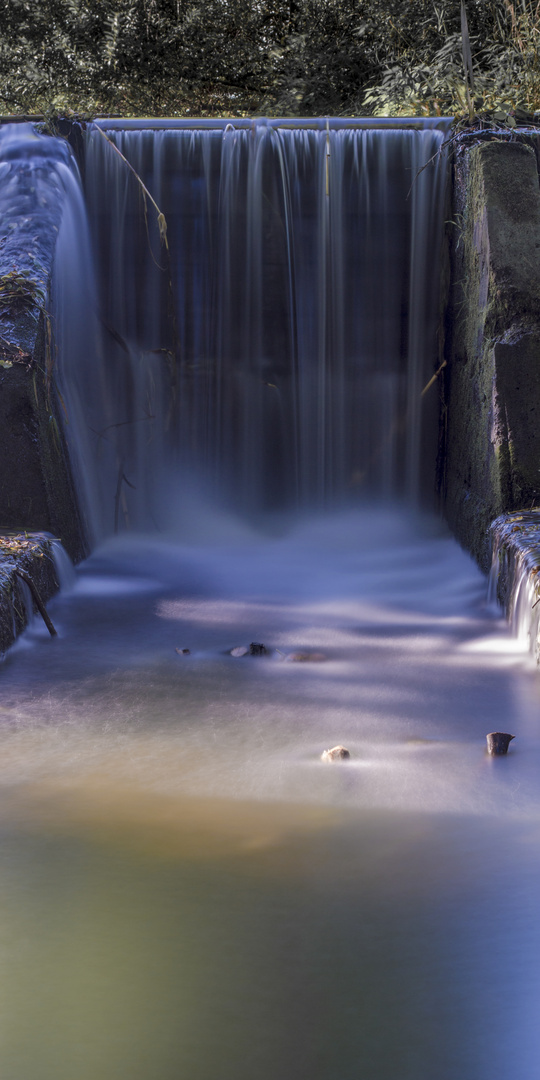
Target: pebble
[[337, 753], [498, 742]]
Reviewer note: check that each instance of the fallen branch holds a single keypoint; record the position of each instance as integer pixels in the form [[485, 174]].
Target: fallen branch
[[433, 378], [161, 220], [162, 226], [37, 600]]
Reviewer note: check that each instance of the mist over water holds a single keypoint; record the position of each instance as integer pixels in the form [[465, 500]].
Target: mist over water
[[186, 889], [412, 667]]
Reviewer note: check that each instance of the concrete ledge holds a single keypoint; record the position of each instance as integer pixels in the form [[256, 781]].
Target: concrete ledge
[[32, 553]]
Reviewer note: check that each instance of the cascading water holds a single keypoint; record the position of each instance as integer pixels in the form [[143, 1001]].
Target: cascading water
[[514, 574], [275, 349]]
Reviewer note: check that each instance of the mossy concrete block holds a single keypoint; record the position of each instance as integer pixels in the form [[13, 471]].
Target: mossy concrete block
[[36, 485], [492, 389], [504, 177], [15, 600], [23, 495], [516, 419]]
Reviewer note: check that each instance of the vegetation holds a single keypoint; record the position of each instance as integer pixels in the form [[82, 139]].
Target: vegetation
[[19, 292], [21, 543], [273, 57]]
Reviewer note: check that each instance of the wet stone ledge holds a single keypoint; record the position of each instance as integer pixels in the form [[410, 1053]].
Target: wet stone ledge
[[33, 555], [515, 572]]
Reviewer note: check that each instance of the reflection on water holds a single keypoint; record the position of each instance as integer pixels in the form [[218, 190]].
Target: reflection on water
[[186, 891], [385, 947]]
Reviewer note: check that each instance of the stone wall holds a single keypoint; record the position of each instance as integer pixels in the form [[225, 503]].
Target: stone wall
[[36, 487], [491, 409]]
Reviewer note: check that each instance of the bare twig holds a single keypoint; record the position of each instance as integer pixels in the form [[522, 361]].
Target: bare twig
[[37, 600], [162, 226], [123, 423], [433, 378], [161, 220]]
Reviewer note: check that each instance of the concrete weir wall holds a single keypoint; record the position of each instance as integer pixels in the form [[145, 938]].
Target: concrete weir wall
[[490, 415], [491, 408]]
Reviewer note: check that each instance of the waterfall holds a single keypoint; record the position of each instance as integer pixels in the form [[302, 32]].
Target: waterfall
[[275, 352]]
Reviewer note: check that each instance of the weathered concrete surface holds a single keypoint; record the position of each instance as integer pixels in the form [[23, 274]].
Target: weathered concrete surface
[[31, 553], [36, 487], [492, 394]]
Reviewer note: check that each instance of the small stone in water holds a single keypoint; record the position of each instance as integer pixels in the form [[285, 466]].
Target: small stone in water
[[306, 657], [256, 649], [337, 753], [241, 650], [182, 652], [498, 742]]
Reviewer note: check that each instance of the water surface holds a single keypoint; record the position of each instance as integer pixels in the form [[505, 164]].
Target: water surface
[[186, 890]]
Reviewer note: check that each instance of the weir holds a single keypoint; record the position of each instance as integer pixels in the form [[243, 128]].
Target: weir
[[254, 458], [274, 350]]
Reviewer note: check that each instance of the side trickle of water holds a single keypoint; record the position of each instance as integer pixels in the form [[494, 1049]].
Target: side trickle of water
[[514, 575], [276, 352], [79, 362]]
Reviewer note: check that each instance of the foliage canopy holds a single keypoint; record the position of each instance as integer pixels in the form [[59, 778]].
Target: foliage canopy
[[273, 57]]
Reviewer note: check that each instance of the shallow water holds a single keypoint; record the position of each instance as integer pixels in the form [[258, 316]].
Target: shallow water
[[186, 890]]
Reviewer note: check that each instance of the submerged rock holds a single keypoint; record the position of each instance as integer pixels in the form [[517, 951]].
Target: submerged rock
[[306, 657], [256, 649], [337, 753], [498, 742]]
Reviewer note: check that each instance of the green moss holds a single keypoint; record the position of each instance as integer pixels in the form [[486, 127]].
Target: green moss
[[19, 292]]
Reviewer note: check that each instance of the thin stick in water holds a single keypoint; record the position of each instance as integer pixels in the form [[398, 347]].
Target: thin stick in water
[[37, 600]]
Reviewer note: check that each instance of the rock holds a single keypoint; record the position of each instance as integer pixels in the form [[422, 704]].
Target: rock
[[306, 657], [498, 742], [337, 753], [256, 649], [182, 652]]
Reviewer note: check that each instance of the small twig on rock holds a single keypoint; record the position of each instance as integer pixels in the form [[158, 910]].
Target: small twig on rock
[[37, 600]]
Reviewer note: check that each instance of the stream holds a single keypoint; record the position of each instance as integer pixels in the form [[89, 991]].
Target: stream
[[186, 890]]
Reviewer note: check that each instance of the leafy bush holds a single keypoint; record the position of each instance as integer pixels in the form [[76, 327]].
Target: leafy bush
[[274, 57]]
